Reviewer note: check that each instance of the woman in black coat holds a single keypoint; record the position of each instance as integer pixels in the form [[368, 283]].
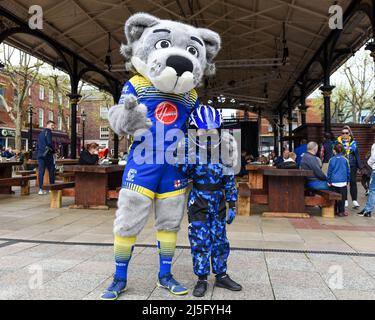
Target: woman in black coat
[[89, 156]]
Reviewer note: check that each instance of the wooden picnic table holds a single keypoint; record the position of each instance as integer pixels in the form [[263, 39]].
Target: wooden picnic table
[[256, 180], [92, 184], [286, 192], [59, 162], [6, 172]]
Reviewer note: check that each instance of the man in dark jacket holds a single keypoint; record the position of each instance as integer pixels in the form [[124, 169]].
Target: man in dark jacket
[[310, 161], [45, 155]]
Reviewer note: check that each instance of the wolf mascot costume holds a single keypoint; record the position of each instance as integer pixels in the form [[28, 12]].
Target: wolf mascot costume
[[169, 60]]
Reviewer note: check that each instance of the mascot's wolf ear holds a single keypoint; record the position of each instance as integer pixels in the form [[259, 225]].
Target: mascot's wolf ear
[[134, 28], [212, 42], [137, 23]]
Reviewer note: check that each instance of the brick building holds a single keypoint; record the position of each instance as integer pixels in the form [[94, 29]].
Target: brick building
[[45, 105], [96, 105]]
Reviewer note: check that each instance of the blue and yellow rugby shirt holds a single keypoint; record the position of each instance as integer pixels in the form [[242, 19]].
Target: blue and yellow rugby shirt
[[170, 110]]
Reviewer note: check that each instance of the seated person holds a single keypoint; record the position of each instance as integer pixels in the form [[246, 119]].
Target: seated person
[[311, 162], [289, 163], [282, 158], [89, 156]]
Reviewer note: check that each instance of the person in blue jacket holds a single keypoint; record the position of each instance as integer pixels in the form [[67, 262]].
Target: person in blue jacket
[[300, 151], [213, 187], [338, 177], [45, 152]]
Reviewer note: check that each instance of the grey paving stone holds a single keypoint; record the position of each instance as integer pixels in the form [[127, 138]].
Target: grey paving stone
[[53, 293], [283, 292], [301, 279], [283, 263], [71, 281], [12, 292], [42, 251], [354, 295], [95, 267], [59, 265], [249, 292], [15, 262], [14, 248]]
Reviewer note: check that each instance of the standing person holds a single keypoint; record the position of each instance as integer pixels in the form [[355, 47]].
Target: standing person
[[311, 162], [300, 151], [46, 155], [367, 211], [338, 177], [214, 186], [351, 152], [326, 150]]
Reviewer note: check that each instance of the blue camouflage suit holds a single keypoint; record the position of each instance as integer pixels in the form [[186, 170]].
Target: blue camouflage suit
[[207, 215]]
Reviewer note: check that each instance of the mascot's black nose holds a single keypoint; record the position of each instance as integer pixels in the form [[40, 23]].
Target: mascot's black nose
[[180, 64]]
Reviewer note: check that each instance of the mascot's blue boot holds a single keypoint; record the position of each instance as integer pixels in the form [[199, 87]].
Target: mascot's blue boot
[[171, 284], [114, 290]]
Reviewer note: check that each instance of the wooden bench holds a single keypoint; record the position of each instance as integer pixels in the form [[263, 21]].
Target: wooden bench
[[243, 204], [325, 199], [25, 173], [23, 182], [58, 190], [66, 176]]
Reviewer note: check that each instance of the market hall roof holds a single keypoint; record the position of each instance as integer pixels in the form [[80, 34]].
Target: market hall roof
[[253, 66]]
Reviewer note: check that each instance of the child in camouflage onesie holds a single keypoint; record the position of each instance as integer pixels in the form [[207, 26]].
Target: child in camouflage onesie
[[213, 187]]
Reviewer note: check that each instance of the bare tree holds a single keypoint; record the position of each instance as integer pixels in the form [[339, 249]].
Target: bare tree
[[354, 94], [22, 70], [60, 86]]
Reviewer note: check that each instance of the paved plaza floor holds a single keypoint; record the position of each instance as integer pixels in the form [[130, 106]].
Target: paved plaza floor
[[67, 254]]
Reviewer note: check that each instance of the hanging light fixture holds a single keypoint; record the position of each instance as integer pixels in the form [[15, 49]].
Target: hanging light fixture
[[108, 59], [285, 47]]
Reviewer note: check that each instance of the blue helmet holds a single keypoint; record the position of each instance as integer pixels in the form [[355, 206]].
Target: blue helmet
[[206, 117]]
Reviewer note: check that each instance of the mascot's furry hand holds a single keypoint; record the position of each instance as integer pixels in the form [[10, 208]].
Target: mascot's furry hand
[[129, 117]]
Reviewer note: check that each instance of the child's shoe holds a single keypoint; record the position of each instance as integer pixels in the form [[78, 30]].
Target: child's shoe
[[226, 282], [169, 283], [200, 288], [114, 290]]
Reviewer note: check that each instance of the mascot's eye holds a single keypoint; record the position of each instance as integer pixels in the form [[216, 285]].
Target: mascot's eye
[[193, 50], [162, 44]]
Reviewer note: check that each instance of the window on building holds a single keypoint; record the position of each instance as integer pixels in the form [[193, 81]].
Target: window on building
[[104, 113], [104, 132], [59, 123], [60, 99], [50, 115], [50, 96], [41, 93], [41, 118], [67, 123]]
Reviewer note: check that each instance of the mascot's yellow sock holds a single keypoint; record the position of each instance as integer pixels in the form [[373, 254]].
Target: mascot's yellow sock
[[166, 242], [123, 247]]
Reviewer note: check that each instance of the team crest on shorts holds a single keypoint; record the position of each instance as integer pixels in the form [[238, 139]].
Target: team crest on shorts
[[131, 175], [166, 112], [177, 184]]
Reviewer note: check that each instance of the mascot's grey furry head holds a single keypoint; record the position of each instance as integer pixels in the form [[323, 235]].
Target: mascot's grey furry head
[[174, 56]]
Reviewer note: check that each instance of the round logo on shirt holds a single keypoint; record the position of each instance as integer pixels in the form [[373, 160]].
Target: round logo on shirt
[[166, 113]]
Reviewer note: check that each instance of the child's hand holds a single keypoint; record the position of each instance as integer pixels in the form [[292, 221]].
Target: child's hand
[[231, 215]]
